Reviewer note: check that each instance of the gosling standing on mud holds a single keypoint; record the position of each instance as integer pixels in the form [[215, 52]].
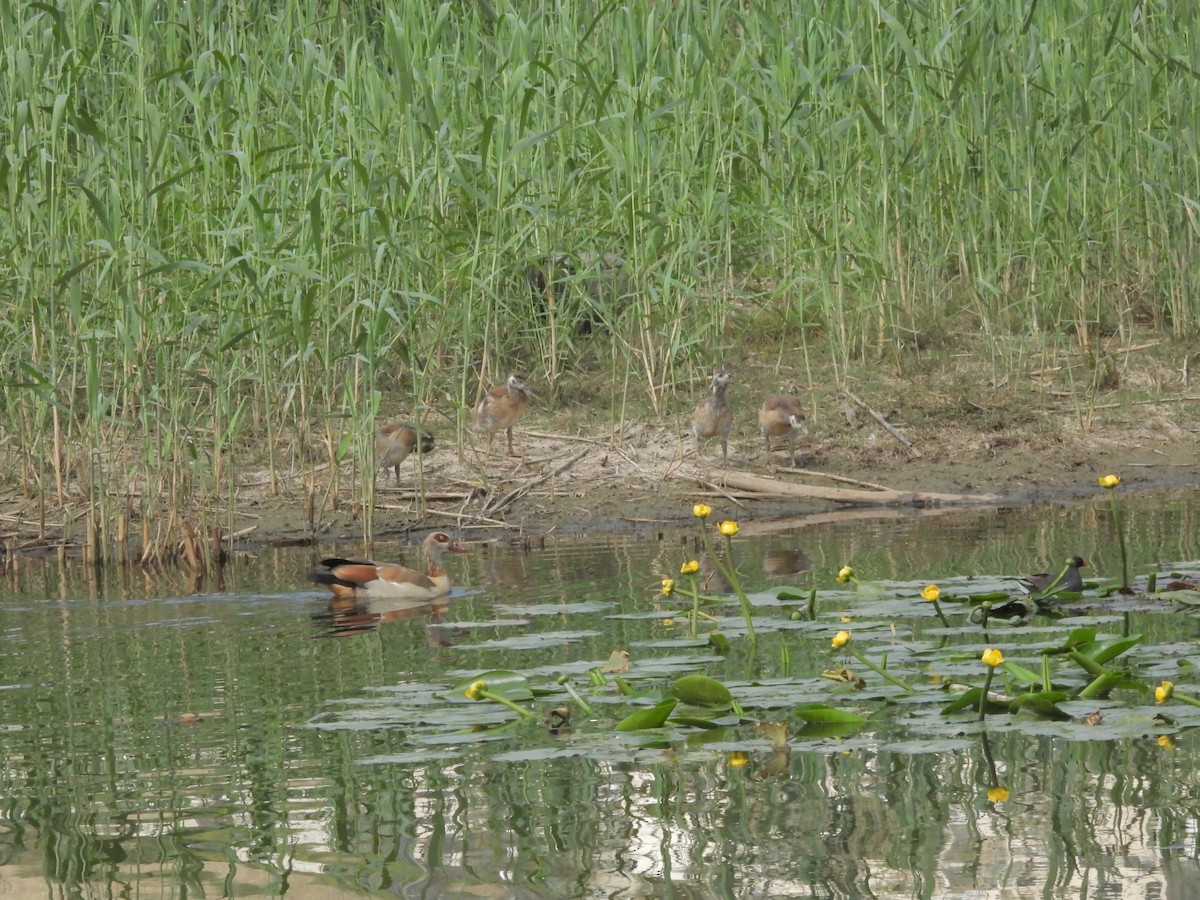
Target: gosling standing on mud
[[395, 442], [782, 416], [714, 416], [500, 408]]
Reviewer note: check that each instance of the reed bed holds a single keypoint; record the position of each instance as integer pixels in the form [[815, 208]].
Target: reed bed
[[235, 234]]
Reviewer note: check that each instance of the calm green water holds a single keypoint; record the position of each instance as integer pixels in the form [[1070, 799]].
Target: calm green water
[[323, 765]]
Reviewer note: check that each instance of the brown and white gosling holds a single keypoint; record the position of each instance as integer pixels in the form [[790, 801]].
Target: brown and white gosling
[[782, 416], [714, 416], [500, 408], [394, 443]]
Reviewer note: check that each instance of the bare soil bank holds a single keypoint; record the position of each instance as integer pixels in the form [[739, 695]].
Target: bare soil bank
[[931, 421], [1043, 435]]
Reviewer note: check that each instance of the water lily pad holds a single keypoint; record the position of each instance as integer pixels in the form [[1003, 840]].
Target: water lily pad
[[503, 682], [818, 714], [539, 754], [701, 690], [539, 641], [413, 758], [930, 745], [648, 717], [552, 609]]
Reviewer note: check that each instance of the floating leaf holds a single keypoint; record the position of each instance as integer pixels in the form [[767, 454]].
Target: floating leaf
[[1115, 648], [815, 730], [700, 690], [819, 714], [502, 682], [969, 700], [1021, 673], [1079, 638], [1042, 704], [648, 717], [1101, 686], [791, 594], [706, 724]]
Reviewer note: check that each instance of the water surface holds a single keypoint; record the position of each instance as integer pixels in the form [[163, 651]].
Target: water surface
[[242, 737]]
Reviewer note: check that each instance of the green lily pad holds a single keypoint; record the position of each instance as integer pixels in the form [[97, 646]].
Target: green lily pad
[[648, 717], [700, 690], [819, 714]]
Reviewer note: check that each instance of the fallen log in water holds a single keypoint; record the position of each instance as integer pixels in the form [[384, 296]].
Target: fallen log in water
[[777, 488]]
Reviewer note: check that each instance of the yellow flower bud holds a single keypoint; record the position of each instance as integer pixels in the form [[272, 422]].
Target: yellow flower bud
[[475, 691], [737, 759], [841, 639], [992, 657], [668, 587], [997, 794], [701, 510], [1163, 692], [845, 573], [1109, 481], [729, 529], [1165, 741], [931, 593], [689, 568]]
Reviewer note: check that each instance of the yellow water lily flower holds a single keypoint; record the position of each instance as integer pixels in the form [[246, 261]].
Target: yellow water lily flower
[[997, 794], [475, 691], [841, 639], [931, 593], [1165, 741], [845, 573], [729, 529], [668, 587], [701, 510], [1109, 481], [689, 568], [737, 758], [1163, 692], [992, 657]]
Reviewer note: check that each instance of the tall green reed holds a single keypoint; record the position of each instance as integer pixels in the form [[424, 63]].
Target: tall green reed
[[232, 243]]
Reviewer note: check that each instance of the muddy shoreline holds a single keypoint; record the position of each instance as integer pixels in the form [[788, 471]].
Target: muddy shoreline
[[944, 427]]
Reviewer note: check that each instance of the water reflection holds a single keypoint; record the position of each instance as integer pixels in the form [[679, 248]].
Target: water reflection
[[306, 775]]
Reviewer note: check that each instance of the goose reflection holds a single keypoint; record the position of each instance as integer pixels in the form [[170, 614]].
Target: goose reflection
[[784, 562], [349, 617]]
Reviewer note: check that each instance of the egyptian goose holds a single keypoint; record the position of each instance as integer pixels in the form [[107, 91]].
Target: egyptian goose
[[782, 416], [1072, 580], [714, 416], [347, 577], [500, 408], [394, 443]]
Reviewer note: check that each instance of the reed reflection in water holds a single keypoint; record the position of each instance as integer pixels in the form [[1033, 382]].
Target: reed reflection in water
[[164, 742]]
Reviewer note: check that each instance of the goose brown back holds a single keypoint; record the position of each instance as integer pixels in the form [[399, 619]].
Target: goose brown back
[[348, 577]]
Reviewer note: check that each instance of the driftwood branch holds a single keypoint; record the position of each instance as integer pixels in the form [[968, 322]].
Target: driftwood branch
[[892, 430], [774, 487], [494, 507]]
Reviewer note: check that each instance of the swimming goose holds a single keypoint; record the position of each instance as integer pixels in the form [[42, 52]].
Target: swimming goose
[[347, 577]]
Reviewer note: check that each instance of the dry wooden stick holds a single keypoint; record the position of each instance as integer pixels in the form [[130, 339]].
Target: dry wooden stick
[[841, 479], [524, 489], [785, 489], [892, 430]]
